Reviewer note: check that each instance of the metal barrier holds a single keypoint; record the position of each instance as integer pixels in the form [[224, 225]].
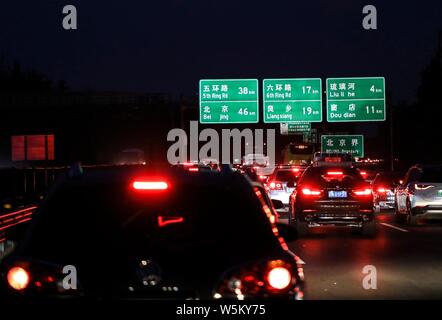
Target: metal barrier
[[13, 218]]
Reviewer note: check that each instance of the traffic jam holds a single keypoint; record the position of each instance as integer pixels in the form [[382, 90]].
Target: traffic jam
[[157, 174]]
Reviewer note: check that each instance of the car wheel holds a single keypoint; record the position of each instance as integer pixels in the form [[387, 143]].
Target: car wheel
[[410, 218], [301, 226], [399, 217], [369, 229]]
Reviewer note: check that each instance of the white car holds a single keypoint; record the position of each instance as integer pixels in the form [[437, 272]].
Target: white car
[[420, 195], [282, 182]]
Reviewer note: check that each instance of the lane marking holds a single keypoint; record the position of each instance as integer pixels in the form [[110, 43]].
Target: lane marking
[[393, 227]]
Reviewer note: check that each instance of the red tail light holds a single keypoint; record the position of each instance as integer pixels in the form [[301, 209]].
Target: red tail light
[[382, 190], [362, 192], [150, 185], [335, 173], [279, 278], [363, 174], [275, 186], [164, 221], [193, 169], [18, 278], [310, 192]]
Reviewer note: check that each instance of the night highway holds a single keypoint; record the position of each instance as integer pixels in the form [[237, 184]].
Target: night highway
[[407, 261], [213, 159]]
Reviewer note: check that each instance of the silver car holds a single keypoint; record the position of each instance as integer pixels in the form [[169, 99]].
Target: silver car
[[420, 195]]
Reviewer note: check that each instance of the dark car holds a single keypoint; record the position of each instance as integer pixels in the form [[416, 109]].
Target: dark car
[[332, 196], [383, 187], [129, 233]]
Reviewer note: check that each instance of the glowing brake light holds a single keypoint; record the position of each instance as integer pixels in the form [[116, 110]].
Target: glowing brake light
[[164, 221], [310, 192], [365, 192], [18, 278], [279, 278], [363, 174], [150, 185], [296, 169], [335, 173], [382, 190], [193, 169]]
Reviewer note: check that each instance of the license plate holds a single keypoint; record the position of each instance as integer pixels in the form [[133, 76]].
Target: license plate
[[337, 194]]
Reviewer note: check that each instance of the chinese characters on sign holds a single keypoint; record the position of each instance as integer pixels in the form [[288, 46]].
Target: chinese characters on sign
[[352, 144], [355, 99], [229, 101], [292, 100]]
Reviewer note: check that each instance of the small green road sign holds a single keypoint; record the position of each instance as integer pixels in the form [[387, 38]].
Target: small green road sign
[[229, 101], [352, 144], [295, 128], [355, 99], [292, 100]]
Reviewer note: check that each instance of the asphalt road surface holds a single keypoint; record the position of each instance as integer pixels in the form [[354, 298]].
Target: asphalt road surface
[[408, 261]]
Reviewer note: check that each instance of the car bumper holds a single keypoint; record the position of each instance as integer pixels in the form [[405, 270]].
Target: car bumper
[[430, 212], [348, 214], [282, 196]]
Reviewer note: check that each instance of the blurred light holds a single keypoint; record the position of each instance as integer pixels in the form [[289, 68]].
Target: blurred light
[[150, 185], [18, 278], [279, 278], [365, 192], [164, 221], [335, 173], [309, 192], [7, 206]]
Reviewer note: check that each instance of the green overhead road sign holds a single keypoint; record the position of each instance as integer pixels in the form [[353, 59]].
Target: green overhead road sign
[[355, 99], [292, 100], [229, 101], [352, 144], [295, 128]]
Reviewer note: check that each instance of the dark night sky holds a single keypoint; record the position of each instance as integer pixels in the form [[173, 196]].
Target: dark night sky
[[167, 46]]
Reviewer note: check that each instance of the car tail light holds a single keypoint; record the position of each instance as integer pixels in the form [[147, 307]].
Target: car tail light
[[335, 173], [419, 186], [363, 174], [310, 192], [193, 169], [165, 220], [18, 278], [362, 192], [296, 169], [382, 190], [150, 185], [279, 278], [259, 280], [275, 186]]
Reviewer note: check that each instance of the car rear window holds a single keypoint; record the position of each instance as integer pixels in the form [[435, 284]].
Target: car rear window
[[285, 175], [328, 175], [78, 215]]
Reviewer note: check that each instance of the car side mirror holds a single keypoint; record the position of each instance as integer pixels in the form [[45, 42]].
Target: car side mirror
[[277, 204], [287, 232]]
